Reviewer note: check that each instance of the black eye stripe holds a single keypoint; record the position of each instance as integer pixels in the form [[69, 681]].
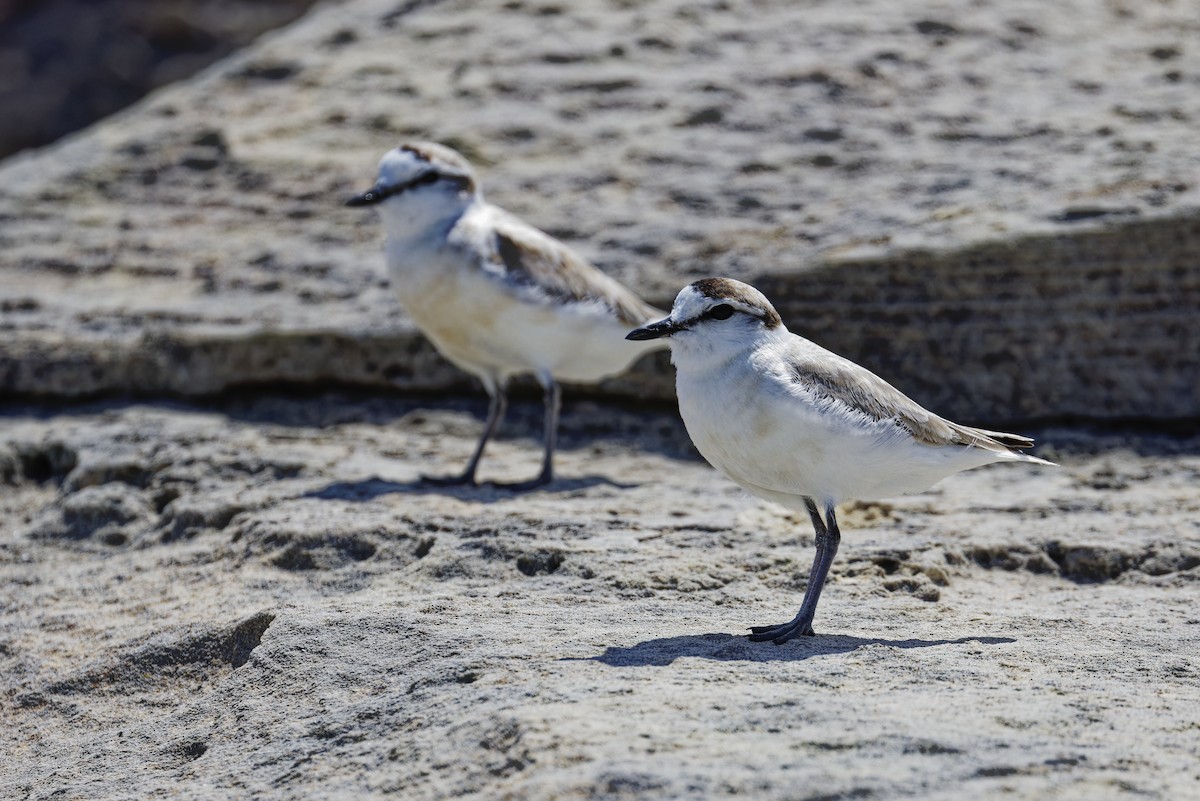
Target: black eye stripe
[[428, 177]]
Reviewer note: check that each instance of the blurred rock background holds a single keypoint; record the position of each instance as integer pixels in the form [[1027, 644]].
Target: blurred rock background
[[993, 206], [66, 63]]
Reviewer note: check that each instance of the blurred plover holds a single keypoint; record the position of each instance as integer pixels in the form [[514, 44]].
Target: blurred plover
[[793, 423], [496, 296]]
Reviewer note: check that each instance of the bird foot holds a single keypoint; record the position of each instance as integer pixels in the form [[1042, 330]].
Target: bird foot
[[523, 486], [783, 632], [468, 480], [461, 480]]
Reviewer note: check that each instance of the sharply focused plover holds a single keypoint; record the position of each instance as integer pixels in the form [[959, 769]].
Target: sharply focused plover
[[496, 296], [793, 423]]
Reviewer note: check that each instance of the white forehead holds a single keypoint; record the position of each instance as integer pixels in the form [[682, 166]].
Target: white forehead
[[400, 165], [690, 303]]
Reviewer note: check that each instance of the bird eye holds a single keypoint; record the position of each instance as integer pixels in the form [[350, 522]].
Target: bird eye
[[427, 178], [721, 312]]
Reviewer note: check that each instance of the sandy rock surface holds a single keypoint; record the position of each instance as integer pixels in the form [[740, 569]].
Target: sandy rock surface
[[261, 599], [219, 589]]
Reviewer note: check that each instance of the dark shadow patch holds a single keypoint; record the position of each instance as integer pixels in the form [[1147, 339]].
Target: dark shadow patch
[[711, 115], [505, 751], [1079, 213], [393, 17], [532, 564], [184, 519], [368, 489], [170, 658], [324, 553], [193, 751], [37, 462], [269, 71], [126, 469], [113, 514], [1088, 564], [730, 648], [931, 27], [1083, 563], [929, 748]]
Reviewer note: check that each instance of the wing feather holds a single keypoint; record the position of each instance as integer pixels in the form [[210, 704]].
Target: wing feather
[[841, 381], [543, 267]]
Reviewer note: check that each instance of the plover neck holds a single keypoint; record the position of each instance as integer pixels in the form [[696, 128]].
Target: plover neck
[[430, 212], [714, 347]]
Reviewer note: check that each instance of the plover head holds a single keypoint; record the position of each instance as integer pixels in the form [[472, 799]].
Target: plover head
[[418, 182], [713, 311]]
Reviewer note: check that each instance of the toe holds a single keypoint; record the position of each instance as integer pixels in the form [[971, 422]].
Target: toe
[[781, 633], [764, 633], [449, 481], [521, 486]]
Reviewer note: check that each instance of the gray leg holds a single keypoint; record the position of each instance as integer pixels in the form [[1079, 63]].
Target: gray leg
[[497, 406], [828, 539], [553, 404], [552, 399]]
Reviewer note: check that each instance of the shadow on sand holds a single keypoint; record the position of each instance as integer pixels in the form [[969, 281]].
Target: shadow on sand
[[730, 648], [488, 492]]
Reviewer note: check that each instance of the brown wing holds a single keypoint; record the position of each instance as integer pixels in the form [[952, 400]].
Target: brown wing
[[538, 262], [845, 382]]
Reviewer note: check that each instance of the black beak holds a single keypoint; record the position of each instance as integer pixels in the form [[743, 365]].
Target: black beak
[[368, 198], [663, 328]]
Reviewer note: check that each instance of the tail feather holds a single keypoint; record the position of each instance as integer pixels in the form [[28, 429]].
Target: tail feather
[[1009, 440], [1003, 442], [1025, 457]]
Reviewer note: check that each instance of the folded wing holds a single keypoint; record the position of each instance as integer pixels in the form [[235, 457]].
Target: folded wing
[[840, 381], [542, 268]]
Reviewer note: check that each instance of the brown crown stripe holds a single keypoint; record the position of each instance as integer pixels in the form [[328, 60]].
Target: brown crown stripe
[[729, 289]]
